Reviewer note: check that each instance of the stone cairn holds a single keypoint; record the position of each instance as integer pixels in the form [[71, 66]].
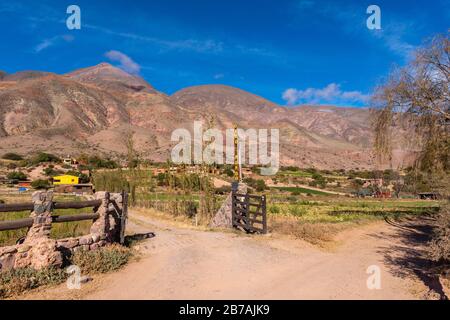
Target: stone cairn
[[38, 250]]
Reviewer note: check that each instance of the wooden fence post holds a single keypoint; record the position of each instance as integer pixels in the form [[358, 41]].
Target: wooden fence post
[[264, 213], [124, 216]]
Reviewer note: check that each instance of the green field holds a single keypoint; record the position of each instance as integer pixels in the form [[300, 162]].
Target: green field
[[302, 190], [350, 210]]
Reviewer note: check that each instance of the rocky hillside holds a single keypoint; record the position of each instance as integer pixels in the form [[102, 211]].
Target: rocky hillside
[[92, 109]]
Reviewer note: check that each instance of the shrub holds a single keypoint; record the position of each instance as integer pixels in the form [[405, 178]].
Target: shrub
[[12, 156], [17, 281], [223, 190], [44, 157], [51, 172], [40, 184], [17, 175], [274, 209], [105, 260], [259, 185]]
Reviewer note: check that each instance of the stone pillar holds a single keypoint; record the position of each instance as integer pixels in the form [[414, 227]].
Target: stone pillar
[[101, 226], [223, 217], [42, 216], [38, 250]]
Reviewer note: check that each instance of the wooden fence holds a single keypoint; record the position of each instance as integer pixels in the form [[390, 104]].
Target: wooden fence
[[28, 222], [94, 204], [249, 213]]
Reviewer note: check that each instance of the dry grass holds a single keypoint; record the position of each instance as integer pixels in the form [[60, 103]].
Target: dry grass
[[107, 259], [320, 234]]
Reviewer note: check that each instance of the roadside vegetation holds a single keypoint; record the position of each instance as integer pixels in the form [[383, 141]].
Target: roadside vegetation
[[104, 260], [318, 220]]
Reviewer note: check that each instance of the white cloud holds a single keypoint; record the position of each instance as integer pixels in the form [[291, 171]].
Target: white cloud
[[332, 93], [46, 43], [202, 46], [219, 76], [126, 63]]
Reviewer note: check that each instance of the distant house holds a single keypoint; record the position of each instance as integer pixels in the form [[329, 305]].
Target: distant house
[[70, 161], [378, 183], [65, 180]]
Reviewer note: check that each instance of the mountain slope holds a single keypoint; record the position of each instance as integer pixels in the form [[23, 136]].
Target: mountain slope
[[93, 109]]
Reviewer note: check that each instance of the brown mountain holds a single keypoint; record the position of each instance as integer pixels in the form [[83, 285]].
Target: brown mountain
[[93, 108]]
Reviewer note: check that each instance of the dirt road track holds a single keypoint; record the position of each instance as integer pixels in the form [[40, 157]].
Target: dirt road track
[[180, 263]]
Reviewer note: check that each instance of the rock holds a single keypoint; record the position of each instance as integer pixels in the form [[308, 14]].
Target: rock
[[68, 243], [94, 246], [42, 254], [9, 249], [95, 237], [7, 261], [86, 240], [23, 248], [102, 243]]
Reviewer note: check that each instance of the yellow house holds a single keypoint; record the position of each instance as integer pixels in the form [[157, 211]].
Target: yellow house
[[65, 179]]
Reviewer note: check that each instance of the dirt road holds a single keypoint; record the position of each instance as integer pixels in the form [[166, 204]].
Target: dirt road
[[180, 263]]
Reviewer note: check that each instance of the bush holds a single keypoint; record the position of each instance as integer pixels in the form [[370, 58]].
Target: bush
[[17, 175], [51, 172], [17, 281], [40, 184], [45, 157], [12, 156], [223, 190], [259, 185], [110, 258], [101, 261]]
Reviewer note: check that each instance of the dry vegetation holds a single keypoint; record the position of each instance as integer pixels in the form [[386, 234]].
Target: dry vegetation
[[104, 260]]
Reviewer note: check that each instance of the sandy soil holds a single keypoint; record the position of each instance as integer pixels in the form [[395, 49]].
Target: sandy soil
[[183, 263]]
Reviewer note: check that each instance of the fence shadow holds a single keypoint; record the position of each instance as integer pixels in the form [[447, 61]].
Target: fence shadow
[[130, 239]]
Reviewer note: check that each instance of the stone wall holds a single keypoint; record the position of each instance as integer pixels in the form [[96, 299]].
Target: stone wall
[[38, 250]]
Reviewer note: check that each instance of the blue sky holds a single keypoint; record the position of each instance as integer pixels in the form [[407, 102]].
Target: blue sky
[[291, 52]]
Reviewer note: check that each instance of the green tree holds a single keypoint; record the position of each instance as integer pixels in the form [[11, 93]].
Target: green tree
[[40, 184], [17, 175]]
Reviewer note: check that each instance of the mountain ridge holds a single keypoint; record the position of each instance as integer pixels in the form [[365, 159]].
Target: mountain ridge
[[94, 107]]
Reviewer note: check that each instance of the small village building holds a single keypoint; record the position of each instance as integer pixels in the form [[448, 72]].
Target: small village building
[[24, 184], [65, 179]]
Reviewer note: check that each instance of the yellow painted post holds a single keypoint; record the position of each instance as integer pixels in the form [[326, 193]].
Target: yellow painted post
[[236, 155]]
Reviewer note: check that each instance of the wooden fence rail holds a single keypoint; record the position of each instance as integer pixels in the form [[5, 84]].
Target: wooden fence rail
[[12, 207], [28, 222]]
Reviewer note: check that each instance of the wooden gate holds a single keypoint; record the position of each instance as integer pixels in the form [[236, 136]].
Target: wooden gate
[[249, 213]]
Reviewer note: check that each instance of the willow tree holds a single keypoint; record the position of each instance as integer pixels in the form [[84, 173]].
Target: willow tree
[[417, 97]]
